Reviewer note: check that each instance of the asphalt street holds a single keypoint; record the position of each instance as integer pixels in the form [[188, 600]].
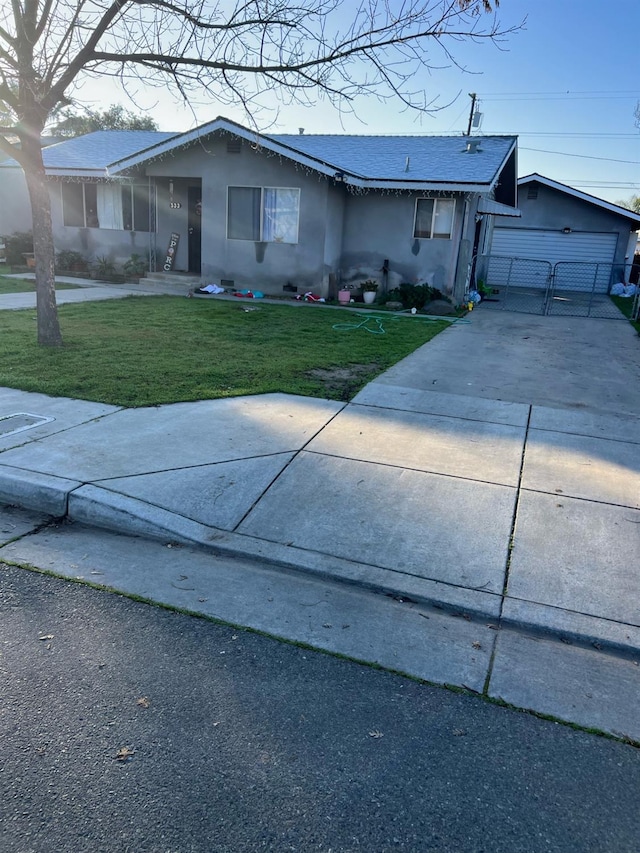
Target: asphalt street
[[129, 727]]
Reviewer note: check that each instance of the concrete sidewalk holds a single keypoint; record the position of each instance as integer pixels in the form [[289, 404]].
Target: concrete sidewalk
[[486, 543], [86, 290]]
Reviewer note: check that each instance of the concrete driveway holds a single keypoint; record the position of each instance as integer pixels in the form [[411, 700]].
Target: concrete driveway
[[584, 365]]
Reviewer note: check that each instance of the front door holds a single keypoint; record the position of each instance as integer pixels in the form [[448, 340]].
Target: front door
[[195, 229]]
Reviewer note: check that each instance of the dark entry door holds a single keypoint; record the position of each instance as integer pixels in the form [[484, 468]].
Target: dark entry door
[[195, 228]]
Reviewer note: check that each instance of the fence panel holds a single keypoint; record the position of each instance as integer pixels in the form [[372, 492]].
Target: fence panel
[[516, 284], [531, 286], [580, 289]]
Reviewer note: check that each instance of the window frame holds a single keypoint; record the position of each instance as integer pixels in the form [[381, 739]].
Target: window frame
[[82, 185], [150, 226], [432, 235], [260, 238], [149, 191]]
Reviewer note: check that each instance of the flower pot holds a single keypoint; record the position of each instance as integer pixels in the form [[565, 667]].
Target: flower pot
[[369, 297], [344, 297]]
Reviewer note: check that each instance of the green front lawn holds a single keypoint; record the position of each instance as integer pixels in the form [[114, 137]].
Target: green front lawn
[[141, 351], [24, 285]]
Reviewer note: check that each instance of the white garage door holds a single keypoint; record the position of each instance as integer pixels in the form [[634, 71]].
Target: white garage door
[[554, 246], [585, 258]]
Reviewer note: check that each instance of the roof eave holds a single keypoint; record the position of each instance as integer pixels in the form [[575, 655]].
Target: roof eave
[[417, 185], [69, 172], [592, 199]]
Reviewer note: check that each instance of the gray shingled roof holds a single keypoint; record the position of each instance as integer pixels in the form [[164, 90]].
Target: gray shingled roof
[[365, 160], [430, 158], [93, 152], [375, 161]]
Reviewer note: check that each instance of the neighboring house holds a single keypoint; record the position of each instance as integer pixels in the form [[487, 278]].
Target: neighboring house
[[588, 242], [15, 209], [264, 211]]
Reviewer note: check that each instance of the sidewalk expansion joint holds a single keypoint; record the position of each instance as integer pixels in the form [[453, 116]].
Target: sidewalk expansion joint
[[401, 467], [509, 552], [296, 453], [438, 414], [560, 495]]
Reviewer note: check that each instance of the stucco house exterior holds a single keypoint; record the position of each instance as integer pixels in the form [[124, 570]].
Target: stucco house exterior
[[268, 211], [560, 224]]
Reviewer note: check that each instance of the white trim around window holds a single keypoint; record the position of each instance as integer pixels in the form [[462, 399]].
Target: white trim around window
[[434, 218]]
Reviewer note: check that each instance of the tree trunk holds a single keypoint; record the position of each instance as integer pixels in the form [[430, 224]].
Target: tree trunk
[[49, 334]]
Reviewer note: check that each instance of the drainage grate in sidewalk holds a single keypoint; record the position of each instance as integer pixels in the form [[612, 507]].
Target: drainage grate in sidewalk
[[20, 421]]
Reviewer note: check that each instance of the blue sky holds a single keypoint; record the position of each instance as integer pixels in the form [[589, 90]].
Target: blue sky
[[568, 83]]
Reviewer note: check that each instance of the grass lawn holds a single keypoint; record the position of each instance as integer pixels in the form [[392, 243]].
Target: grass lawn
[[625, 304], [141, 351], [24, 285]]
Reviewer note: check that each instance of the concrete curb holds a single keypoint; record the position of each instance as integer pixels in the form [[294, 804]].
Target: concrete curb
[[100, 508], [38, 492]]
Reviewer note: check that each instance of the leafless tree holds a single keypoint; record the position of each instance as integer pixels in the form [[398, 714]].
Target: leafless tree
[[233, 50], [631, 203]]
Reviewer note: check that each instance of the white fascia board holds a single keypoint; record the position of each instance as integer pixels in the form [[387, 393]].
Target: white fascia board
[[592, 199], [76, 173]]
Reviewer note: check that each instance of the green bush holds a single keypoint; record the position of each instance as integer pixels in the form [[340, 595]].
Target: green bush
[[69, 260], [136, 266], [411, 295], [17, 246]]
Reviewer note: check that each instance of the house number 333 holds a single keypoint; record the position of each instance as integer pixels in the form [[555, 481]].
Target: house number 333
[[175, 205]]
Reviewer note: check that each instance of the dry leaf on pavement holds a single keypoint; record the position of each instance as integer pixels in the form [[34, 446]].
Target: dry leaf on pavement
[[124, 753]]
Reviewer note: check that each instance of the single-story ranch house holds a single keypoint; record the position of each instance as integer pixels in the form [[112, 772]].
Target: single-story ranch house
[[267, 211]]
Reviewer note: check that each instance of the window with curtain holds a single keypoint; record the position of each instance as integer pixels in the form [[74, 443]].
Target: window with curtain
[[263, 214], [80, 205], [108, 205], [434, 218]]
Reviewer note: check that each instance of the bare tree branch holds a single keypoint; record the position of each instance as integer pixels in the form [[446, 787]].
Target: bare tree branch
[[237, 51]]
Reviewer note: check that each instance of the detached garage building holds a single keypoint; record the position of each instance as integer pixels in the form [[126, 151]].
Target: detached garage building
[[561, 225]]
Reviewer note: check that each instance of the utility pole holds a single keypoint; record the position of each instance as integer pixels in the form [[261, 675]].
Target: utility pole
[[473, 97]]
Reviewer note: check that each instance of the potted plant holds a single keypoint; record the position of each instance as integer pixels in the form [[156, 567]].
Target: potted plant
[[136, 267], [369, 290], [104, 269], [344, 294], [69, 261], [483, 289]]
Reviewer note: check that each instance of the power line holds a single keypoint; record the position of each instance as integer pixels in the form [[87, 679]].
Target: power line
[[568, 92], [581, 156], [567, 134], [601, 184], [485, 99]]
